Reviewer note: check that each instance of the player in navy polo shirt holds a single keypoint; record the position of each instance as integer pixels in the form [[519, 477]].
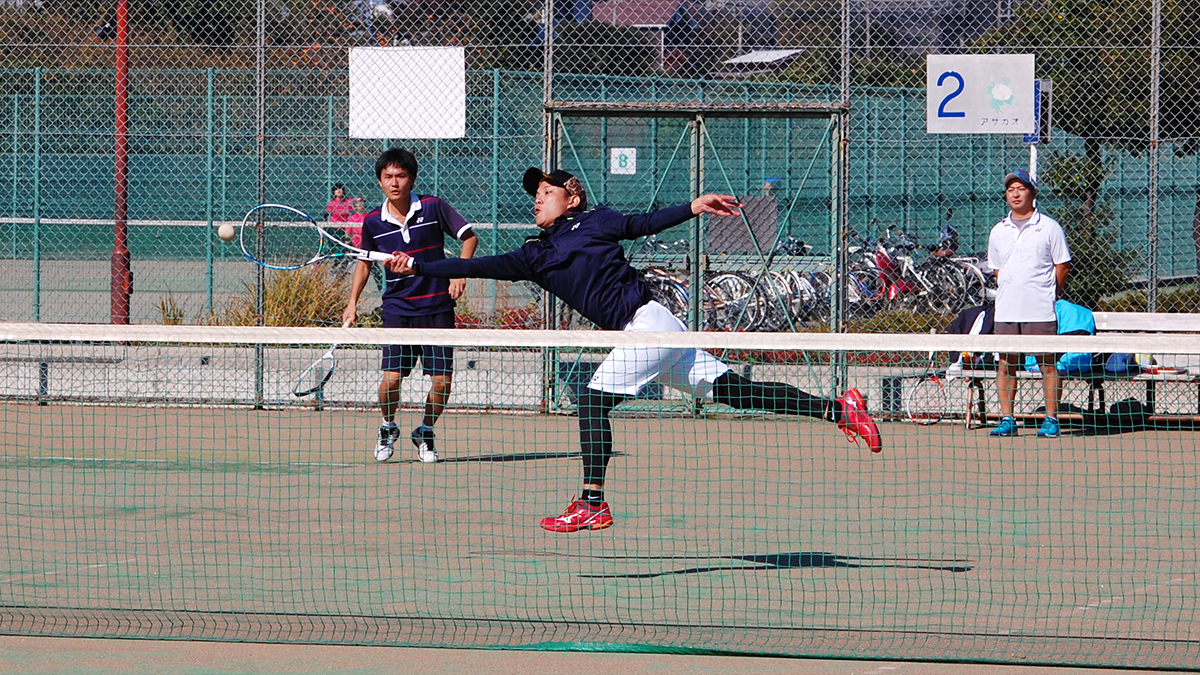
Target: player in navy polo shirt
[[415, 225], [578, 257]]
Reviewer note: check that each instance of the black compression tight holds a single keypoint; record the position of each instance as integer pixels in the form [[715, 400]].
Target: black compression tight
[[595, 430], [595, 433], [738, 392]]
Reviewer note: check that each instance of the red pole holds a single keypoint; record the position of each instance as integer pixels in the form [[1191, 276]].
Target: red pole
[[122, 279]]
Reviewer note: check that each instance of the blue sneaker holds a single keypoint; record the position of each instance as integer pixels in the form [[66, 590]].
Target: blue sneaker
[[1007, 427], [1049, 428]]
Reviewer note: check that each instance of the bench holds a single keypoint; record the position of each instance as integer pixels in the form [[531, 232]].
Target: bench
[[1112, 323]]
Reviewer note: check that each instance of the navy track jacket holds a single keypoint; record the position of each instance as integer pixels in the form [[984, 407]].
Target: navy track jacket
[[579, 258]]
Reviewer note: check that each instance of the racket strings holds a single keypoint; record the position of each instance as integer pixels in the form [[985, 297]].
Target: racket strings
[[282, 238], [315, 376]]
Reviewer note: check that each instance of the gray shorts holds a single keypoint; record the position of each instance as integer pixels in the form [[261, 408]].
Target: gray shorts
[[1026, 328]]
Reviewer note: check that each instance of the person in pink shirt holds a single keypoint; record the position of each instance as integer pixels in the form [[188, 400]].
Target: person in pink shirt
[[339, 207], [354, 229]]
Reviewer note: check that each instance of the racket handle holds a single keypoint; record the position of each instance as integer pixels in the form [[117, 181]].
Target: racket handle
[[378, 256]]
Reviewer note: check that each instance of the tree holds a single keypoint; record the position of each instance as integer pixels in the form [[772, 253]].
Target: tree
[[1098, 55], [1098, 268], [1180, 116], [595, 48]]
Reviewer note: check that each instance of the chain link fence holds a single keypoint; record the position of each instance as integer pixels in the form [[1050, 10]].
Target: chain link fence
[[234, 103]]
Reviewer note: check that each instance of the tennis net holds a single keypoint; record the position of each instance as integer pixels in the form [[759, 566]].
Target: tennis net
[[164, 482]]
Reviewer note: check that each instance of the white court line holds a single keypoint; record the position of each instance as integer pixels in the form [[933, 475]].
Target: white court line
[[206, 462], [57, 572], [882, 669], [1117, 598]]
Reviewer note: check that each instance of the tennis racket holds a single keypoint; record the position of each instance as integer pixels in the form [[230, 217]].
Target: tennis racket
[[314, 377], [280, 237], [927, 399]]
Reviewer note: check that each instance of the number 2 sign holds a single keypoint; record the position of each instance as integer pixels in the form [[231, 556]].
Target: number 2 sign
[[979, 94]]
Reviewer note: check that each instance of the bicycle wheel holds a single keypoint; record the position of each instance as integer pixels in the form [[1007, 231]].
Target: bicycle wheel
[[866, 292], [668, 293], [801, 294], [774, 298], [943, 285], [820, 306], [926, 402], [741, 310], [975, 290]]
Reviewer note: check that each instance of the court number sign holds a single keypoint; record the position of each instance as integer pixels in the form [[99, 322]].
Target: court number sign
[[979, 94], [623, 161]]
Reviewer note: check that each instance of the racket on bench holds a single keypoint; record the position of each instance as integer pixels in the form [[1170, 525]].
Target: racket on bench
[[314, 377], [281, 237], [926, 401]]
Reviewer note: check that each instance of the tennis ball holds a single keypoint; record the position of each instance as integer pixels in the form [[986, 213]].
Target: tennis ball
[[226, 232]]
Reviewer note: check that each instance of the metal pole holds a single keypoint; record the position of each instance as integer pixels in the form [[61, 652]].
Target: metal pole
[[547, 68], [746, 182], [1152, 206], [940, 210], [837, 314], [121, 278], [493, 243], [838, 371], [16, 170], [906, 181], [437, 166], [842, 213], [37, 194], [603, 148], [764, 131], [697, 234], [869, 149], [653, 145], [260, 149], [495, 196], [837, 229], [328, 147], [209, 149], [224, 156], [845, 52], [549, 146]]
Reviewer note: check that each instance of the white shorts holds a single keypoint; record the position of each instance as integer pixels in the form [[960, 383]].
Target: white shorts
[[627, 369]]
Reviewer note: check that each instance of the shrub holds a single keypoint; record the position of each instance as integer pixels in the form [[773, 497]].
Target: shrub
[[309, 296], [1179, 300]]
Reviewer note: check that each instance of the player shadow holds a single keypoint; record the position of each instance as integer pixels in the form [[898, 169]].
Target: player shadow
[[779, 561], [517, 457]]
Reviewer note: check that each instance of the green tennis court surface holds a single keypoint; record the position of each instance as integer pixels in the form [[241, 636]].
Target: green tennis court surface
[[735, 533]]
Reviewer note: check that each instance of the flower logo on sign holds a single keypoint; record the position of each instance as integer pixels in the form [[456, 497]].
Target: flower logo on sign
[[1001, 95]]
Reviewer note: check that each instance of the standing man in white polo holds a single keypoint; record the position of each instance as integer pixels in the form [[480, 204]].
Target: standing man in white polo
[[1029, 254]]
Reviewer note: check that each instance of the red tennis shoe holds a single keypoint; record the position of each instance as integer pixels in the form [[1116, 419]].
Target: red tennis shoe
[[580, 515], [856, 422]]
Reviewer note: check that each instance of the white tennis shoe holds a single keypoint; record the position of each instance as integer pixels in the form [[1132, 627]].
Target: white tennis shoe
[[387, 441], [422, 437]]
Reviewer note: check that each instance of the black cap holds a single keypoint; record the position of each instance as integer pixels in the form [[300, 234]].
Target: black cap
[[535, 177]]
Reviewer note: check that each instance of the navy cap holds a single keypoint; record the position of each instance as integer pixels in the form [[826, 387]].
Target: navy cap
[[1023, 176]]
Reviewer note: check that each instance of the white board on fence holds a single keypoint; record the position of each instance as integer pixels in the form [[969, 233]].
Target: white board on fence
[[979, 94], [622, 161], [408, 92]]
